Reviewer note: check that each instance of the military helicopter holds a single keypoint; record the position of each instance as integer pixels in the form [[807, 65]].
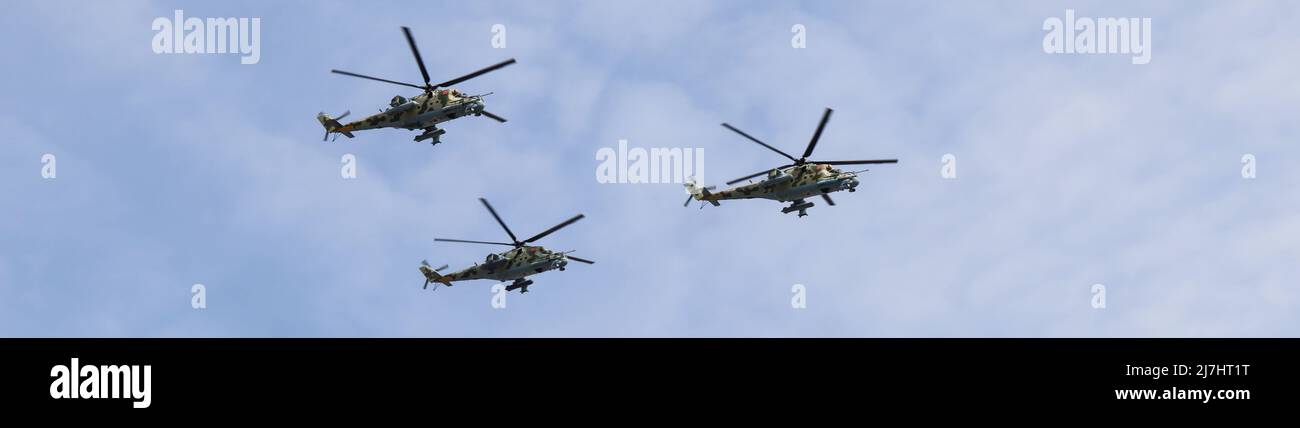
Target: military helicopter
[[789, 183], [515, 264], [424, 111]]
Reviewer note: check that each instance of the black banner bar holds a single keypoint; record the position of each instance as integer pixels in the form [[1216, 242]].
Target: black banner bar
[[359, 374]]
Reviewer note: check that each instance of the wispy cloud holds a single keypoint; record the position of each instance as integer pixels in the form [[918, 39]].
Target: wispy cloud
[[1073, 170]]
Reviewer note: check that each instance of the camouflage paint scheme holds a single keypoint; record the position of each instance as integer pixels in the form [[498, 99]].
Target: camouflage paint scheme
[[421, 111], [437, 103], [785, 185], [790, 183], [515, 264], [512, 265]]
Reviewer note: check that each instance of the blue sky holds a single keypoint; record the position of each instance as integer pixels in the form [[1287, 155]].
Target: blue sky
[[1073, 170]]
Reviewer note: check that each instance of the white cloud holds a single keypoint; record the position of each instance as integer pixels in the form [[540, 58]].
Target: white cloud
[[1072, 171]]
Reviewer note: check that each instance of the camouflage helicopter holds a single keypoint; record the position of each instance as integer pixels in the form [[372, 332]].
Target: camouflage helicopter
[[789, 183], [424, 111], [515, 264]]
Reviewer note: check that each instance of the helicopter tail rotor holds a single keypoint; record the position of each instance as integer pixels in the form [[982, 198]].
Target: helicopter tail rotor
[[431, 275], [699, 193], [332, 125]]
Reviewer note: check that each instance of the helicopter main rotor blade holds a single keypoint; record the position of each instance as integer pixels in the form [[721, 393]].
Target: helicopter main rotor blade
[[858, 162], [485, 70], [348, 73], [493, 116], [555, 228], [826, 117], [579, 259], [469, 242], [499, 221], [757, 174], [759, 142], [418, 60]]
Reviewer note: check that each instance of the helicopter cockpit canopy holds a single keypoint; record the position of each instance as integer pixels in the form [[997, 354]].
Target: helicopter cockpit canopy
[[492, 258], [397, 101]]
